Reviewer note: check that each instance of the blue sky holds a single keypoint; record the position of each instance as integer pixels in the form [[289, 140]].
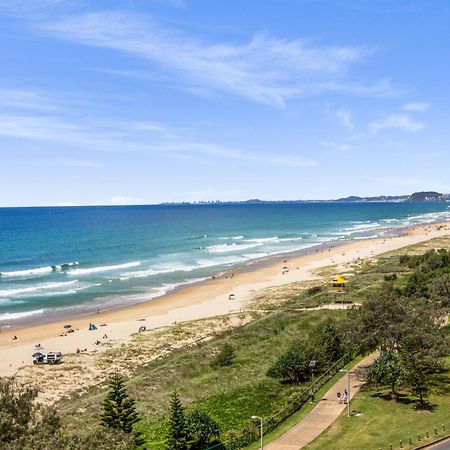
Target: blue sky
[[145, 101]]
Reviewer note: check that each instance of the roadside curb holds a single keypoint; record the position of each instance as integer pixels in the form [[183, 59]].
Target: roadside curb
[[432, 443]]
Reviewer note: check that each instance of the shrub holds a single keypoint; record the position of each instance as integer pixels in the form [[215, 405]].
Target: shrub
[[224, 357], [403, 259], [314, 290], [292, 366], [203, 431], [390, 277]]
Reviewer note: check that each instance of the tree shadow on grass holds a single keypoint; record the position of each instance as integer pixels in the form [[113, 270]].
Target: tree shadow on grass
[[403, 399], [425, 406]]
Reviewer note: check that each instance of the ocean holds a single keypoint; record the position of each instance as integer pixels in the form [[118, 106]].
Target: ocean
[[66, 261]]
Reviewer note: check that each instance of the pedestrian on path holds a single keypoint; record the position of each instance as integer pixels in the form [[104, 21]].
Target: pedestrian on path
[[339, 398], [345, 396]]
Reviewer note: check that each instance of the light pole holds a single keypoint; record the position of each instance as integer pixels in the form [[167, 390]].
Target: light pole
[[312, 365], [348, 390], [261, 428]]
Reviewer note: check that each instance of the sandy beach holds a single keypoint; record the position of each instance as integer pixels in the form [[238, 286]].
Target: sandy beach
[[214, 297]]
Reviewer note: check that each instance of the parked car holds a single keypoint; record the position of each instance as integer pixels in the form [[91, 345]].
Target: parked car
[[47, 358]]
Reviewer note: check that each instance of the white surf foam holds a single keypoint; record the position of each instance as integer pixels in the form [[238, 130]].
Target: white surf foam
[[262, 240], [363, 227], [27, 272], [40, 287], [225, 248], [20, 315], [100, 269]]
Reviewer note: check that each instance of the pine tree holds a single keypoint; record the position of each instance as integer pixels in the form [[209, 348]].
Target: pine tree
[[178, 437], [119, 411]]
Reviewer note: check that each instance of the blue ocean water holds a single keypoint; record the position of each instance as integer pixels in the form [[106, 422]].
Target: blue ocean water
[[64, 261]]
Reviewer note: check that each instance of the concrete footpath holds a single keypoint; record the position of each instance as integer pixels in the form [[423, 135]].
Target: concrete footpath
[[324, 413]]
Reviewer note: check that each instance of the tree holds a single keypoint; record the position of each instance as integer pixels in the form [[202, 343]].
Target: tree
[[292, 366], [439, 291], [224, 357], [388, 369], [97, 438], [20, 414], [119, 411], [329, 344], [378, 323], [27, 425], [203, 431], [178, 436]]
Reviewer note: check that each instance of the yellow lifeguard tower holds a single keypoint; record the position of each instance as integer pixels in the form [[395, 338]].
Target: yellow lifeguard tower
[[340, 282]]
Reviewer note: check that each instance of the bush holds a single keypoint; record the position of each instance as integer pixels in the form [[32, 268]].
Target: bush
[[314, 290], [224, 357], [403, 259], [27, 425], [292, 366], [390, 277], [203, 431]]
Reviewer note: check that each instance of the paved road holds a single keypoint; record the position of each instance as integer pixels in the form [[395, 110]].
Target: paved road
[[322, 416], [444, 445]]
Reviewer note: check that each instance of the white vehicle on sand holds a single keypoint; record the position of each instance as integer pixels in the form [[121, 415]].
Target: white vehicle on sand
[[47, 358]]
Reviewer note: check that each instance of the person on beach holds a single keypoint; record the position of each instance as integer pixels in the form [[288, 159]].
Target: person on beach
[[338, 396]]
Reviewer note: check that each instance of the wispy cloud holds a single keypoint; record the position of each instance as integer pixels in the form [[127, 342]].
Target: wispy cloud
[[131, 137], [177, 3], [335, 146], [25, 99], [345, 118], [418, 107], [425, 155], [123, 200], [265, 69], [399, 121], [67, 162]]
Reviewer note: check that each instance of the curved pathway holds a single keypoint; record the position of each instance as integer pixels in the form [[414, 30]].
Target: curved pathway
[[324, 413]]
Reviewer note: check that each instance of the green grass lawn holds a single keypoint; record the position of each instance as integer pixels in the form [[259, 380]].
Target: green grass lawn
[[376, 423]]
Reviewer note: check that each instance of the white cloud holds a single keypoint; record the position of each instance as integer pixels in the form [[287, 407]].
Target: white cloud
[[131, 137], [66, 162], [123, 200], [399, 121], [334, 146], [425, 155], [177, 3], [265, 69], [25, 99], [345, 118], [417, 107]]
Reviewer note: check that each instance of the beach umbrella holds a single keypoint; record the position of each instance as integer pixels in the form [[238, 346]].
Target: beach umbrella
[[67, 326]]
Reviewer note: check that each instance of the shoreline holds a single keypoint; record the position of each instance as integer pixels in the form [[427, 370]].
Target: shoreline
[[248, 266], [201, 300]]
